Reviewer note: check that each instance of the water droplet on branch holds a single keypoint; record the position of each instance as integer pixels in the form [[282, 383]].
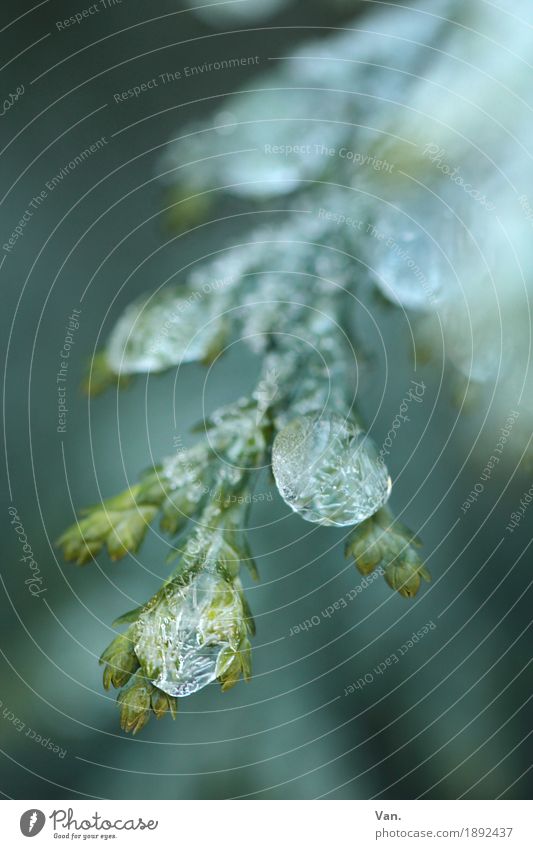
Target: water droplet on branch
[[182, 639], [327, 469]]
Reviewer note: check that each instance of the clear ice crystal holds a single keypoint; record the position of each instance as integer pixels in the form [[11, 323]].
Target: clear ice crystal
[[158, 331], [412, 253], [183, 642], [299, 136], [327, 469]]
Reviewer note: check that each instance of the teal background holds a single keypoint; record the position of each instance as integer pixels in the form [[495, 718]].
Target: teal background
[[453, 717]]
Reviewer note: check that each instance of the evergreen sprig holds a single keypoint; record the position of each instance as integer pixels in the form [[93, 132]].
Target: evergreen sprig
[[289, 290], [380, 542], [140, 658], [212, 483]]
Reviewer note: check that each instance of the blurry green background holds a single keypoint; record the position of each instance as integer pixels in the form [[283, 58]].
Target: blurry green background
[[453, 717]]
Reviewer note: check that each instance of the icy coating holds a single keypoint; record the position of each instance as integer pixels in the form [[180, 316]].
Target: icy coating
[[327, 470], [188, 639], [409, 266], [165, 329]]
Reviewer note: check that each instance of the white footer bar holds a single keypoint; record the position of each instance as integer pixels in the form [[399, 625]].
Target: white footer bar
[[268, 824]]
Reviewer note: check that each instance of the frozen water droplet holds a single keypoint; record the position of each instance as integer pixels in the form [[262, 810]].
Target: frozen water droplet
[[327, 470], [166, 329], [409, 268], [181, 641], [473, 331]]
